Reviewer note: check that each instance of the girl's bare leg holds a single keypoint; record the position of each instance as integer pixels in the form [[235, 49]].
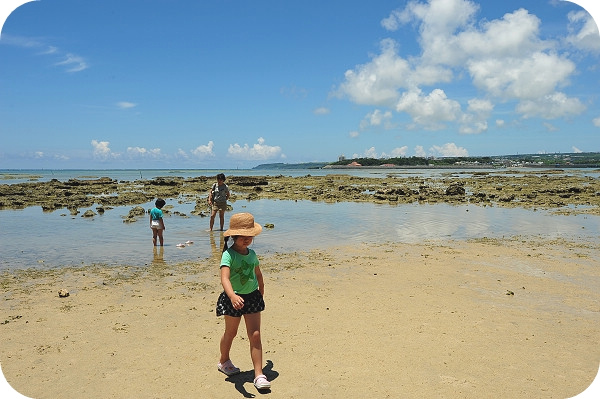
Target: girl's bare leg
[[160, 237], [154, 235], [253, 328], [222, 218], [231, 328], [212, 218]]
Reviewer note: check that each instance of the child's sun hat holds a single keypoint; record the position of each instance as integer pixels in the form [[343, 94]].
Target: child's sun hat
[[242, 224]]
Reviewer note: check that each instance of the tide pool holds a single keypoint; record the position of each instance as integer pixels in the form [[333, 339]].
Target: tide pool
[[31, 238]]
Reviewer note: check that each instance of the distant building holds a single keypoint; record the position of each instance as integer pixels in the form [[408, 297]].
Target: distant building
[[354, 163]]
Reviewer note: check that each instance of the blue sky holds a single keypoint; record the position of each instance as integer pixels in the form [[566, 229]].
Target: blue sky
[[237, 83]]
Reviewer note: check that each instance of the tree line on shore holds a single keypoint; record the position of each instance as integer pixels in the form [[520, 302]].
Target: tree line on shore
[[585, 159]]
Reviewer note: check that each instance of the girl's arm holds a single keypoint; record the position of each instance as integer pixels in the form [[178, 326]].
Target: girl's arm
[[261, 283], [210, 193], [162, 223], [236, 300]]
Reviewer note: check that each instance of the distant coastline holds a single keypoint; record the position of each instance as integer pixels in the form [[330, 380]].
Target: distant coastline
[[562, 160]]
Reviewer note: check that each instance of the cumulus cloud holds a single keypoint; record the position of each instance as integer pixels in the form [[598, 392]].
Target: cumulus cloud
[[420, 151], [141, 152], [505, 59], [596, 121], [551, 106], [182, 154], [448, 150], [377, 118], [399, 152], [256, 152], [372, 153], [204, 151], [576, 150], [429, 111], [354, 134], [377, 82], [102, 151]]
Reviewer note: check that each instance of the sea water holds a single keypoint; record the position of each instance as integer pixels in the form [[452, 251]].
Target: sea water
[[31, 238]]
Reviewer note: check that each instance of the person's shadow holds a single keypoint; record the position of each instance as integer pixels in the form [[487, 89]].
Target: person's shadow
[[248, 376]]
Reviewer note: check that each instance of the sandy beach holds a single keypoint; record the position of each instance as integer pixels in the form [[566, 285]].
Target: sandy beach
[[516, 318]]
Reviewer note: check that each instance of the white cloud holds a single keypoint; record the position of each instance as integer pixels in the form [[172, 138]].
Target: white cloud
[[399, 152], [141, 152], [354, 134], [74, 62], [204, 151], [38, 154], [522, 78], [182, 154], [376, 83], [596, 121], [377, 118], [551, 106], [126, 105], [550, 127], [576, 150], [259, 151], [448, 150], [505, 58], [475, 120], [420, 151], [429, 111], [322, 111], [371, 153], [102, 151], [583, 31], [49, 50], [500, 122]]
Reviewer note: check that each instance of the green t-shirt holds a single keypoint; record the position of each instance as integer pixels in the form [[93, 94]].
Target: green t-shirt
[[242, 275]]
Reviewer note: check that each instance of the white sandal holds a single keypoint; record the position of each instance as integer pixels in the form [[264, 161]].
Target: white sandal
[[228, 368], [261, 382]]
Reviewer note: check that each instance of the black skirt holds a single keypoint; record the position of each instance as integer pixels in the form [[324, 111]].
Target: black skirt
[[253, 303]]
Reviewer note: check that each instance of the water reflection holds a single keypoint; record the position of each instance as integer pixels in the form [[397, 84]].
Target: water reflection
[[159, 253], [217, 250], [29, 236]]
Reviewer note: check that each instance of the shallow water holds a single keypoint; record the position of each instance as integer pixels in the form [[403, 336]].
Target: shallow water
[[35, 239]]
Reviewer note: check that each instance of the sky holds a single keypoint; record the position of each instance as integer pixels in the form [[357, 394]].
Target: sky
[[225, 84]]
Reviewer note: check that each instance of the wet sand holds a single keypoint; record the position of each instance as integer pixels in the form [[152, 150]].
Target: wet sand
[[517, 318]]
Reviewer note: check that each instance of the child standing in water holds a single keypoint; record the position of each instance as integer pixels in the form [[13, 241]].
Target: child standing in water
[[217, 200], [156, 221], [243, 290]]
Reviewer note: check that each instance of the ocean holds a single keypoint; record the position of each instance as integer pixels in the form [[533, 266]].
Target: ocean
[[35, 239]]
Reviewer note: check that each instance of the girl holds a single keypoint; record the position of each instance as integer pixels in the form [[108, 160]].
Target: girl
[[243, 290], [217, 200], [156, 221]]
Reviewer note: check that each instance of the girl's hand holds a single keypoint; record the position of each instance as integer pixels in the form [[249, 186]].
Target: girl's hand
[[237, 302]]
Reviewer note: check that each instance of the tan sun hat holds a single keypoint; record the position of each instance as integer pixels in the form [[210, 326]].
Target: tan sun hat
[[242, 224]]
